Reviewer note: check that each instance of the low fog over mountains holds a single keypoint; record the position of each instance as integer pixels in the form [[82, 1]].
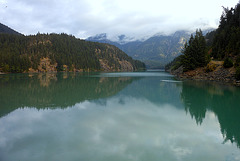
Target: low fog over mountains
[[155, 51]]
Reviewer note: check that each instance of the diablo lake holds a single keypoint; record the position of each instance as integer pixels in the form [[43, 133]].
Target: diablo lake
[[118, 116]]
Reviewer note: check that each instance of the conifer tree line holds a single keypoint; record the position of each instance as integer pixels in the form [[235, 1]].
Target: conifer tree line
[[18, 53], [220, 44], [226, 41], [194, 54]]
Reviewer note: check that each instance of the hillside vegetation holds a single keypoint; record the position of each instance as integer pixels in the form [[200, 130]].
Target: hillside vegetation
[[221, 45], [60, 52]]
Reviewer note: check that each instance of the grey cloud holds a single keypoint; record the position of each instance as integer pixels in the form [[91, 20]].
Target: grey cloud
[[85, 18]]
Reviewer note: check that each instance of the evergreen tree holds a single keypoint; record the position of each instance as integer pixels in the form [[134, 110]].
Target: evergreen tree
[[194, 52], [227, 38]]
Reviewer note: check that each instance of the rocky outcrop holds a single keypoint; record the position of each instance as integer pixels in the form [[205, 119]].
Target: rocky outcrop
[[126, 65], [113, 59], [44, 66], [216, 73]]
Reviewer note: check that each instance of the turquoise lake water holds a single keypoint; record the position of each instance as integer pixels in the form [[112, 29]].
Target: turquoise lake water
[[129, 116]]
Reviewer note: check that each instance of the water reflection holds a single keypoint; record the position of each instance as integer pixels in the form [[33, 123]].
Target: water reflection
[[54, 90], [46, 78], [156, 90], [109, 116], [138, 130], [200, 97]]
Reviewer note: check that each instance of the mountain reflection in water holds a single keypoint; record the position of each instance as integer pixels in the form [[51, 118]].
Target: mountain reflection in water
[[52, 90]]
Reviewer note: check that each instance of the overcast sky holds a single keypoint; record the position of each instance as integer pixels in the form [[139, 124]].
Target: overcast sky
[[84, 18]]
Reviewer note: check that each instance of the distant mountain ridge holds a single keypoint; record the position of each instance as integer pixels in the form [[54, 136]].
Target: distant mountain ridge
[[6, 30], [155, 52]]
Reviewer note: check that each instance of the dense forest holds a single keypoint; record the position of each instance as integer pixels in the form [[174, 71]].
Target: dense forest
[[226, 41], [222, 44], [60, 52]]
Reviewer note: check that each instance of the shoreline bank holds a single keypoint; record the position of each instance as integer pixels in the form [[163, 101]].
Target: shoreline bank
[[219, 74]]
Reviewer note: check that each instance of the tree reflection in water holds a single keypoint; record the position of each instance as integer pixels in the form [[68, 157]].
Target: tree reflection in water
[[200, 97]]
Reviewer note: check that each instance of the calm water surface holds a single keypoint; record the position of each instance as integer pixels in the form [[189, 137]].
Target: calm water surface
[[140, 116]]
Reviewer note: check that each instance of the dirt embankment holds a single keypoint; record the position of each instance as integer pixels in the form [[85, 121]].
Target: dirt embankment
[[214, 71]]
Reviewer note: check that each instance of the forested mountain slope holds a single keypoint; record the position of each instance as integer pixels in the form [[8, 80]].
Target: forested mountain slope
[[5, 29], [60, 52]]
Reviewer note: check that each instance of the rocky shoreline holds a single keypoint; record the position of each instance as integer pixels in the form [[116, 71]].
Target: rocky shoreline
[[218, 74]]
